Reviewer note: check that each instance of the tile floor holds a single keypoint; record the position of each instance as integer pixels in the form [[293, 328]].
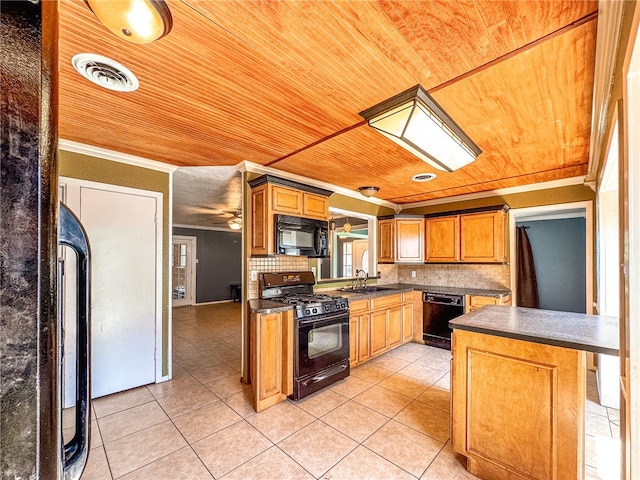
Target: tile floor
[[388, 420]]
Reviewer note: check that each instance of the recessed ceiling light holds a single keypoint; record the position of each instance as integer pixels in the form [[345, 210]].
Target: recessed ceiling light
[[423, 177], [105, 72]]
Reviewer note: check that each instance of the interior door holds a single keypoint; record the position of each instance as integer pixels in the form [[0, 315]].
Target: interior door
[[123, 236], [183, 271]]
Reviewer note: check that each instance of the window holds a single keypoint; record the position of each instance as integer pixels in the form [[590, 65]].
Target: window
[[347, 259]]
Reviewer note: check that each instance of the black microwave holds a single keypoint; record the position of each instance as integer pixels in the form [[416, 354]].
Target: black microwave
[[301, 236]]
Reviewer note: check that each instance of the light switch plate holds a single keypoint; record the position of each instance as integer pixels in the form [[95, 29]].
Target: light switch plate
[[254, 275], [413, 274]]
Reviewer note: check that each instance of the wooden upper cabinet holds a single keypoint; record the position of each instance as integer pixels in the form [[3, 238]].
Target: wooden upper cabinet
[[482, 237], [409, 240], [386, 241], [315, 206], [442, 239], [271, 196], [261, 228], [286, 200]]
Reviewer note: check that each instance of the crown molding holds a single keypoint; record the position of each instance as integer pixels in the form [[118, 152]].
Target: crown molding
[[106, 154], [204, 227], [247, 166], [565, 182]]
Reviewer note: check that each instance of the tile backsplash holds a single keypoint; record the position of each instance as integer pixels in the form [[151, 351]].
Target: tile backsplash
[[449, 275], [278, 263]]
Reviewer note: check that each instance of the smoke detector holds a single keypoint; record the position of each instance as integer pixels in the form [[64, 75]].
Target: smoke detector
[[423, 177], [105, 72]]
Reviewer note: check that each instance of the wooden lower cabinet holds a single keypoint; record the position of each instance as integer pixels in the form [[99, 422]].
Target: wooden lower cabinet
[[271, 358], [474, 302], [518, 408], [379, 325], [378, 332]]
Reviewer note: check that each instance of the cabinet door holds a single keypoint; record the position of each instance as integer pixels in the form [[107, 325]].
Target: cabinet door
[[410, 240], [268, 344], [259, 221], [443, 239], [353, 340], [285, 200], [407, 322], [378, 332], [482, 237], [364, 329], [394, 327], [315, 206], [386, 235]]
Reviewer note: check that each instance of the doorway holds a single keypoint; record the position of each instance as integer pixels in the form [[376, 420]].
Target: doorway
[[183, 271], [558, 212]]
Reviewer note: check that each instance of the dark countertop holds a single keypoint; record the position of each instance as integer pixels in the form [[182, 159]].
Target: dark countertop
[[408, 287], [591, 333], [258, 305]]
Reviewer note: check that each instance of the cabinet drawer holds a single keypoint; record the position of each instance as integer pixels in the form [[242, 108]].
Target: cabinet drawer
[[359, 306], [386, 301], [407, 297], [476, 301]]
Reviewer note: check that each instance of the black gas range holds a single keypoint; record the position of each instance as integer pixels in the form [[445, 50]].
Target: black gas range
[[321, 323]]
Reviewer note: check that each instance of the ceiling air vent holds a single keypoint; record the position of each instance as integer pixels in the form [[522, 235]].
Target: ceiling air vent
[[105, 72], [423, 177]]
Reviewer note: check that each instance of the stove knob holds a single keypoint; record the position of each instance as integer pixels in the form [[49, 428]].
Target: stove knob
[[327, 307], [306, 311], [315, 310]]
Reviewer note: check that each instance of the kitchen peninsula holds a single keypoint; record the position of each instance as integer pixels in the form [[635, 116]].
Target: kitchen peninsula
[[518, 389]]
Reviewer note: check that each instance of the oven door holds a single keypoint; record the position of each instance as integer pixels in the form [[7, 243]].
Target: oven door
[[322, 342]]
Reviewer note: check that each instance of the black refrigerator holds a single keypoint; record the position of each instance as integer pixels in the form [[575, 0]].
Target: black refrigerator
[[30, 335]]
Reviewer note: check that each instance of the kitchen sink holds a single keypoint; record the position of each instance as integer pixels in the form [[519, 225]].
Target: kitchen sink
[[364, 289]]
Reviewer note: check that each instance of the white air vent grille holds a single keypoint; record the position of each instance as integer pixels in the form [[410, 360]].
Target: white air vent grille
[[105, 72], [423, 177]]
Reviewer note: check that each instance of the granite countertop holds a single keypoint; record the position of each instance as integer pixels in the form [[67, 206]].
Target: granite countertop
[[408, 287], [591, 333], [259, 305]]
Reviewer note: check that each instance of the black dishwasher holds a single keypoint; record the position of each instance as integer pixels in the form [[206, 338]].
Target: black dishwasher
[[437, 310]]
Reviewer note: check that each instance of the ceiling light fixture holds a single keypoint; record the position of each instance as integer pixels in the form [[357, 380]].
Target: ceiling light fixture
[[368, 191], [347, 226], [414, 120], [332, 224], [136, 21], [235, 222]]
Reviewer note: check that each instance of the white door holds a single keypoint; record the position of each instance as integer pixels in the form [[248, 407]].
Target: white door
[[123, 236], [183, 282]]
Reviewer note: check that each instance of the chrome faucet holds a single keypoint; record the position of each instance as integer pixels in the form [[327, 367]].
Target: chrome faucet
[[361, 282]]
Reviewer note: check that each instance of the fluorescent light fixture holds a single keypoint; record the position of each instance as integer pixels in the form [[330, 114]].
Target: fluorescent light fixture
[[414, 120], [368, 191], [136, 21]]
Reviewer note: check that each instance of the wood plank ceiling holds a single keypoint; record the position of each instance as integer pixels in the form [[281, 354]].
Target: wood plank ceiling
[[280, 83]]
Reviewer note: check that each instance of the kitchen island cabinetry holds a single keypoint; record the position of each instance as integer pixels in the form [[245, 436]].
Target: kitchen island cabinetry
[[518, 385], [271, 196], [271, 357]]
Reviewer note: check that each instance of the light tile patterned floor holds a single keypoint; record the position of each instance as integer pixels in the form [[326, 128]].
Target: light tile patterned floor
[[388, 420]]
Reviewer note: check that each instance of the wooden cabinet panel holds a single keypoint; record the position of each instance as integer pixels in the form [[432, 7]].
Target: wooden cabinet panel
[[378, 343], [482, 237], [285, 200], [364, 328], [542, 388], [386, 301], [474, 302], [407, 322], [315, 206], [271, 358], [386, 241], [442, 239], [353, 340], [409, 240], [260, 222], [394, 326]]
